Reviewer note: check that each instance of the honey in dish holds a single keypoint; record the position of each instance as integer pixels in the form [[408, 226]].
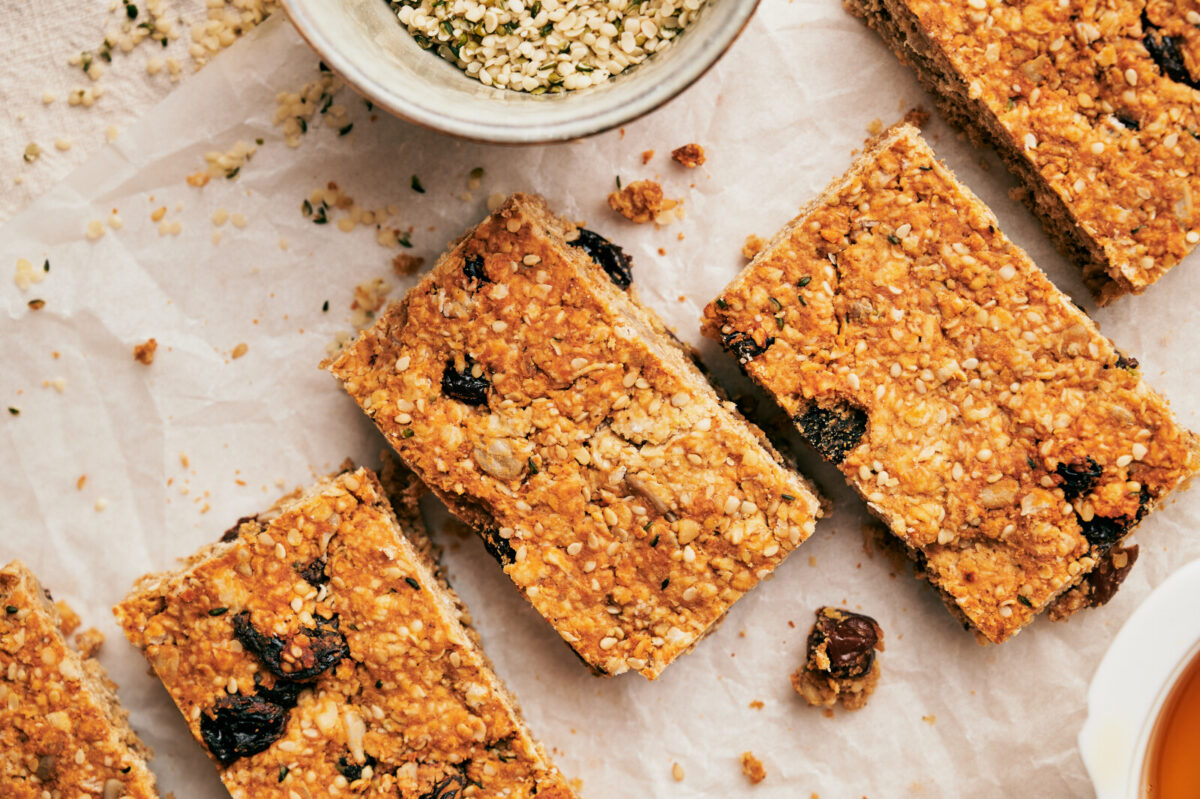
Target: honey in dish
[[1173, 767]]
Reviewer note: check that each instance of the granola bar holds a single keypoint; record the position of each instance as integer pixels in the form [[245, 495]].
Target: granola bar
[[315, 651], [628, 502], [978, 411], [1094, 106], [62, 730]]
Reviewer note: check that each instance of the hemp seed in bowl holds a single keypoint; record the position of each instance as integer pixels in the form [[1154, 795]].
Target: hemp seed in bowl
[[540, 46]]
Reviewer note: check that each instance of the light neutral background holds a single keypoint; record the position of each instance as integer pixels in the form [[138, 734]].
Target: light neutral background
[[779, 116]]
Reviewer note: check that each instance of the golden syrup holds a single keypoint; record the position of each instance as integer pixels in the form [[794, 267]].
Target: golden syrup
[[1173, 765]]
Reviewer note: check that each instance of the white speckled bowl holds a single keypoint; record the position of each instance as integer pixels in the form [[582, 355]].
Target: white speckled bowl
[[365, 44], [1133, 682]]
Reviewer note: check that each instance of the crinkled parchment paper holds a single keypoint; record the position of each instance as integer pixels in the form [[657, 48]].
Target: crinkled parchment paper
[[180, 449]]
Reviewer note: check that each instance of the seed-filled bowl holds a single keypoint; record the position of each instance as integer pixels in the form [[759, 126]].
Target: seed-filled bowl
[[365, 42]]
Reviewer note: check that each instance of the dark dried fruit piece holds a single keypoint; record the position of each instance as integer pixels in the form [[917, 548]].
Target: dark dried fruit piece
[[321, 648], [743, 346], [1107, 577], [849, 641], [448, 788], [232, 533], [1126, 362], [314, 573], [1166, 53], [1127, 121], [240, 726], [353, 771], [1078, 477], [284, 693], [497, 546], [46, 767], [1101, 531], [473, 268], [463, 386], [615, 262], [833, 431]]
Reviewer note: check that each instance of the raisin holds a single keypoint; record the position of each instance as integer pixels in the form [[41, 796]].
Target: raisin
[[743, 346], [232, 533], [474, 270], [833, 431], [450, 787], [1078, 477], [1166, 53], [240, 726], [849, 639], [351, 770], [615, 262], [1128, 121], [1107, 577], [1126, 362], [314, 572], [321, 648], [463, 386], [1103, 532], [497, 546], [284, 693]]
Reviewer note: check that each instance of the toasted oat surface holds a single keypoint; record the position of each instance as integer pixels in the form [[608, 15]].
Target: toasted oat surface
[[980, 413], [62, 732], [409, 706], [1097, 99], [626, 500]]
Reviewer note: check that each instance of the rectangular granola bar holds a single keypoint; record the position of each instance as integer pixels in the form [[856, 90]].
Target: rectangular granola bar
[[628, 502], [315, 651], [62, 730], [981, 414], [1094, 106]]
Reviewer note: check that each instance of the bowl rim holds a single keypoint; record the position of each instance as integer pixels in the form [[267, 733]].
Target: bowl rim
[[578, 127], [1133, 681]]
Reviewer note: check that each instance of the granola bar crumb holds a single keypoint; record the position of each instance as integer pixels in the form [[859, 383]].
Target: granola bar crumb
[[753, 246], [689, 155], [646, 156], [239, 350], [26, 275], [68, 619], [875, 126], [841, 664], [757, 704], [1099, 586], [89, 642], [642, 201], [404, 264], [752, 767], [677, 772], [144, 353]]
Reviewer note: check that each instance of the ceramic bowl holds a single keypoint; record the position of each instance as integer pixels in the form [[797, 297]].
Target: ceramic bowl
[[364, 43], [1133, 682]]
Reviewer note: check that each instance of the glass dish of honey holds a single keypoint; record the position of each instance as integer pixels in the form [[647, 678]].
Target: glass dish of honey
[[1141, 739], [1172, 769]]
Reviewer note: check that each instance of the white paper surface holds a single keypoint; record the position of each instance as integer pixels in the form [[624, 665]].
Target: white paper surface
[[779, 117]]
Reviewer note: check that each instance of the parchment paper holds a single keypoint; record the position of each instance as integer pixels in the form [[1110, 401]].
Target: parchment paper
[[779, 117]]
